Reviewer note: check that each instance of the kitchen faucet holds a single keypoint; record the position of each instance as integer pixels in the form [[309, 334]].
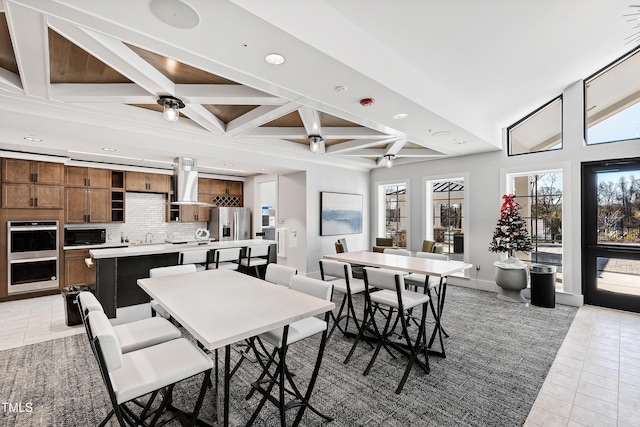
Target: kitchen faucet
[[146, 240]]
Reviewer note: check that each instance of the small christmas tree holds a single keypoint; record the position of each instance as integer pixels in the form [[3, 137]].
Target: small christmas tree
[[511, 233]]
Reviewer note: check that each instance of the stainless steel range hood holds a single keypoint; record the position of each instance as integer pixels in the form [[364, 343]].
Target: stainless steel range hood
[[185, 182]]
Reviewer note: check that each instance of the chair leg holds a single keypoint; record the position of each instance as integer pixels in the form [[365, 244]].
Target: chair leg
[[381, 341], [414, 348], [338, 318]]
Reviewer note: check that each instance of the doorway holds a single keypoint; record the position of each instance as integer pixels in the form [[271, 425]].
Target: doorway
[[611, 233]]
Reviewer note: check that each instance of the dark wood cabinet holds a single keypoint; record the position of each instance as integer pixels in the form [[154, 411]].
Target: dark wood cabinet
[[28, 184], [85, 205], [221, 187], [76, 270], [30, 196], [87, 177], [29, 171], [147, 182]]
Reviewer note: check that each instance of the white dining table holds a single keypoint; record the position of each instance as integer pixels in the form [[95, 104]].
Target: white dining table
[[410, 264], [222, 307]]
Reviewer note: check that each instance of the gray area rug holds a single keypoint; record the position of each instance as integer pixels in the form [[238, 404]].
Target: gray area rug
[[498, 356]]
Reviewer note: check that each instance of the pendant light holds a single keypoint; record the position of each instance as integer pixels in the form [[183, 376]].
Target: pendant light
[[314, 142], [389, 160], [170, 107]]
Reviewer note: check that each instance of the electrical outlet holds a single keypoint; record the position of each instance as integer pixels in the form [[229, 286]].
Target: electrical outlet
[[478, 267]]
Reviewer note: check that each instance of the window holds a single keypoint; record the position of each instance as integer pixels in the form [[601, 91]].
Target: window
[[611, 101], [540, 195], [394, 208], [446, 202], [539, 131]]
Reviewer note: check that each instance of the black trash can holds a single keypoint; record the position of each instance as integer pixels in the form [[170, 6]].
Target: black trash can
[[543, 285], [458, 243], [71, 311]]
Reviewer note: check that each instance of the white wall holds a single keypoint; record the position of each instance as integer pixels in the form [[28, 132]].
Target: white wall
[[292, 216], [486, 183], [341, 181]]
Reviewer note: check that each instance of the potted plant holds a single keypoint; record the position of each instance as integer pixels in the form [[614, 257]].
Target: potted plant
[[510, 236]]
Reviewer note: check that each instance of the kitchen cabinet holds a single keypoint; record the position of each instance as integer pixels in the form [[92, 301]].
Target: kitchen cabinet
[[87, 177], [194, 213], [83, 205], [147, 182], [32, 172], [27, 184], [76, 271], [29, 196], [229, 188]]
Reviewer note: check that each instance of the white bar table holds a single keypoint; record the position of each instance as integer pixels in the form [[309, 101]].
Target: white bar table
[[426, 266], [222, 307]]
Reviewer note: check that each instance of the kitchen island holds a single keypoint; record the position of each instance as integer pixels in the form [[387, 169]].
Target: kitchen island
[[118, 269]]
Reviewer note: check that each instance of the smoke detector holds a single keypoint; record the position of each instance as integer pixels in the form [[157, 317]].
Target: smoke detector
[[367, 102]]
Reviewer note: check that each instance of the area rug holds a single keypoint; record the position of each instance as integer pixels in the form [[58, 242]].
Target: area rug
[[498, 355]]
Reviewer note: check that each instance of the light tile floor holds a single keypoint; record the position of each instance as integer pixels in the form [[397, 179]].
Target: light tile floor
[[595, 377], [33, 320], [594, 380]]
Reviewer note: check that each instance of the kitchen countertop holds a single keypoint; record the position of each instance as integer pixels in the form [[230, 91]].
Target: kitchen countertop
[[163, 248]]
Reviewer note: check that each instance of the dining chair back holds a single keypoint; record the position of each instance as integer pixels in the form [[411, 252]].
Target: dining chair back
[[340, 275], [432, 255], [256, 256], [197, 258], [280, 274], [134, 335], [141, 372], [228, 258], [403, 252]]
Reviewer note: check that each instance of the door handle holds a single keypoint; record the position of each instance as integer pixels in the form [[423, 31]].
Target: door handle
[[35, 202]]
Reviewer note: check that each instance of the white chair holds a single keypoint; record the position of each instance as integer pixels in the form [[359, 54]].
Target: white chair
[[228, 258], [138, 373], [439, 286], [197, 258], [281, 339], [135, 335], [400, 304], [280, 274], [403, 252], [168, 271], [341, 277], [256, 256]]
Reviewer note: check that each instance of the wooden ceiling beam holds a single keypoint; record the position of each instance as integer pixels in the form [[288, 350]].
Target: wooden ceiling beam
[[116, 55], [124, 93], [310, 120], [248, 123], [28, 32], [226, 95], [204, 118], [354, 144], [10, 82]]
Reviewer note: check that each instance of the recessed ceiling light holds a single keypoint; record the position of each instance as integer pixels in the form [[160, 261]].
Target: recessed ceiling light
[[460, 142], [228, 164], [264, 169], [440, 133], [340, 88], [274, 59], [108, 149], [32, 139], [401, 116]]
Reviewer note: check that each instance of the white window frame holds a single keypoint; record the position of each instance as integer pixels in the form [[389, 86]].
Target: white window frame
[[380, 229], [427, 211], [570, 225]]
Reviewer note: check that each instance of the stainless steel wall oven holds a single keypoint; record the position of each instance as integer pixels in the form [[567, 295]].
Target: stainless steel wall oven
[[32, 255]]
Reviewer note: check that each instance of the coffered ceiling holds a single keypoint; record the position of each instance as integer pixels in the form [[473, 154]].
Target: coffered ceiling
[[81, 79]]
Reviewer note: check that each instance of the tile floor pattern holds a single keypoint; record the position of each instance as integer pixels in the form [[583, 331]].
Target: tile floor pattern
[[594, 380]]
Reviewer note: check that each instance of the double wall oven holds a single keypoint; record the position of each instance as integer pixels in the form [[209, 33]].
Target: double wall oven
[[32, 255]]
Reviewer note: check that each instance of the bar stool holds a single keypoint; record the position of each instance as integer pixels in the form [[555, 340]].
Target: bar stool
[[399, 302]]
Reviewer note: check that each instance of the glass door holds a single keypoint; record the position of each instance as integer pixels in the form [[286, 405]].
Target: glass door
[[611, 233]]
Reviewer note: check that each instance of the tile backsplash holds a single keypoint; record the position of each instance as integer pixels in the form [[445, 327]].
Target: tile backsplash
[[145, 213]]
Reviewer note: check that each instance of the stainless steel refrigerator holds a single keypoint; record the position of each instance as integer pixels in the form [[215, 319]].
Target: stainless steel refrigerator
[[230, 224]]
